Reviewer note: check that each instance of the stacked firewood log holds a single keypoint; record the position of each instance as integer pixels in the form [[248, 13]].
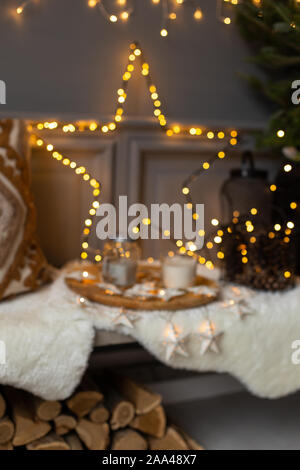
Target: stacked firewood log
[[123, 415]]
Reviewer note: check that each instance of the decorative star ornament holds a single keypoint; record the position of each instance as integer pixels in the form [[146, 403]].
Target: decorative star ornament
[[241, 308], [174, 342], [122, 318], [210, 339]]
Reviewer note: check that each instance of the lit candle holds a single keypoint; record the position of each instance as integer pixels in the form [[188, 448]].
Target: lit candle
[[178, 272]]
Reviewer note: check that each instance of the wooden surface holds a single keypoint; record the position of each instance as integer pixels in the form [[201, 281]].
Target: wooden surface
[[89, 289]]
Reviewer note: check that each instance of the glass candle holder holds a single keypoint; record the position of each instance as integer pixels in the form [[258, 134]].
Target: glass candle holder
[[120, 261]]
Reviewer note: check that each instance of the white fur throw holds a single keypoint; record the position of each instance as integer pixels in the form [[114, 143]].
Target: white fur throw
[[49, 338]]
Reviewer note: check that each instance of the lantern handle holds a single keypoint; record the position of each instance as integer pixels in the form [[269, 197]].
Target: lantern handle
[[247, 163]]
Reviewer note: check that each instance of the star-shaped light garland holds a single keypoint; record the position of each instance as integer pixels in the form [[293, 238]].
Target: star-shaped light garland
[[174, 342], [240, 307], [210, 339], [122, 318]]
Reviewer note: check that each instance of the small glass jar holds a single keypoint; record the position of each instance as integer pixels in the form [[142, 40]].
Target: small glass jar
[[120, 261]]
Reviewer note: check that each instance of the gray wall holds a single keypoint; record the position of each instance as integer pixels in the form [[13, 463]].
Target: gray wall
[[61, 58]]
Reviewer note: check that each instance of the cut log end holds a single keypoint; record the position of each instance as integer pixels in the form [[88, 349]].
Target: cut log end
[[64, 424], [152, 423], [122, 414], [27, 427], [83, 402], [128, 439], [7, 430], [50, 442], [29, 432], [144, 400], [85, 398], [95, 436], [47, 410], [99, 414], [172, 440]]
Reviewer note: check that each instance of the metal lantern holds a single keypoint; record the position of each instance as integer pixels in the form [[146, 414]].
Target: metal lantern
[[257, 251], [246, 189]]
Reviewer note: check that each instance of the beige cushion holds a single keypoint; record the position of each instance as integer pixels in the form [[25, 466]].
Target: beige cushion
[[22, 264]]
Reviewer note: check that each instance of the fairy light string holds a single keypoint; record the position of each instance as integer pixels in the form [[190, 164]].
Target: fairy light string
[[283, 229], [136, 58], [89, 179], [123, 10]]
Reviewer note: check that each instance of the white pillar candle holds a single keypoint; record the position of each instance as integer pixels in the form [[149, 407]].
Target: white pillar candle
[[121, 272], [178, 272]]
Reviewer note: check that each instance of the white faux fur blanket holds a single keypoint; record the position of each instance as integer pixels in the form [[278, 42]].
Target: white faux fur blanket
[[49, 338]]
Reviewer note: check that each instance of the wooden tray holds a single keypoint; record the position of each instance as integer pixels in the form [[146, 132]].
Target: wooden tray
[[89, 290]]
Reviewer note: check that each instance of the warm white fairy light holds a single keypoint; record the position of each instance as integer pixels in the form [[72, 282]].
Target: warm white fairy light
[[280, 134], [215, 222], [20, 9], [198, 14], [135, 53], [218, 239], [287, 168], [124, 15], [113, 13], [81, 171]]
